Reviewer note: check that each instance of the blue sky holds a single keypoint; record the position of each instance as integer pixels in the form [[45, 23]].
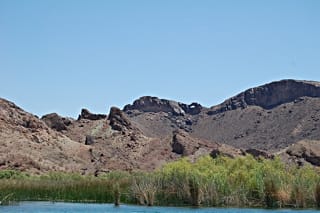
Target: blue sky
[[61, 56]]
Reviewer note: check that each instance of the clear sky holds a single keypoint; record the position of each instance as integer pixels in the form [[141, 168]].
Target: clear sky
[[64, 55]]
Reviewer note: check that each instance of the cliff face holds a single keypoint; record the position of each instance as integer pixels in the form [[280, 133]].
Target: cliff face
[[150, 132]]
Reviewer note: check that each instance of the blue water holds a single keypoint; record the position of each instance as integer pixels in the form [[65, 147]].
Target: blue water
[[44, 207]]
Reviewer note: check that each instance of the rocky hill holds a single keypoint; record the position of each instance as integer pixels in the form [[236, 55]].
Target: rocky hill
[[279, 118], [27, 143], [269, 117]]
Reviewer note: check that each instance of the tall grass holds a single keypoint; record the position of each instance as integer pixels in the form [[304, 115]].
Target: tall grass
[[240, 182], [243, 181], [61, 187]]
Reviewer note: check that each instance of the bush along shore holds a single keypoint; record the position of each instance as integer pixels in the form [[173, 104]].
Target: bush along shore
[[220, 182]]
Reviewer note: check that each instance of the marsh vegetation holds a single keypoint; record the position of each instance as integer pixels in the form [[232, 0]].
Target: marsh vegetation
[[238, 182]]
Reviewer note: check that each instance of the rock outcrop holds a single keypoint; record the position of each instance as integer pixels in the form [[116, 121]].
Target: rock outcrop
[[86, 114], [191, 109], [270, 95], [54, 121], [119, 120], [185, 145], [154, 104], [309, 150]]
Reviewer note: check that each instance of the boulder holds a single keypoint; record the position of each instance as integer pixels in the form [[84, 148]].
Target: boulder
[[89, 140], [183, 144], [86, 114]]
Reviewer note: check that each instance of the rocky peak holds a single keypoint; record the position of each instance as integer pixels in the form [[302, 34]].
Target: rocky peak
[[154, 104], [86, 114], [270, 95]]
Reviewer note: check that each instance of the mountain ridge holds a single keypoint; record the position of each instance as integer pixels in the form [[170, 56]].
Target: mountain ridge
[[264, 120]]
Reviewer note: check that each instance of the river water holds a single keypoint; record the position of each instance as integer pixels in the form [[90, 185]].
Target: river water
[[44, 207]]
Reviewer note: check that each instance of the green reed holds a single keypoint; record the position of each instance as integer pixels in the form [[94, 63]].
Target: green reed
[[239, 182]]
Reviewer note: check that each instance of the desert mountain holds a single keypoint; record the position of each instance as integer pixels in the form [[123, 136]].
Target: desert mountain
[[269, 117], [279, 118]]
